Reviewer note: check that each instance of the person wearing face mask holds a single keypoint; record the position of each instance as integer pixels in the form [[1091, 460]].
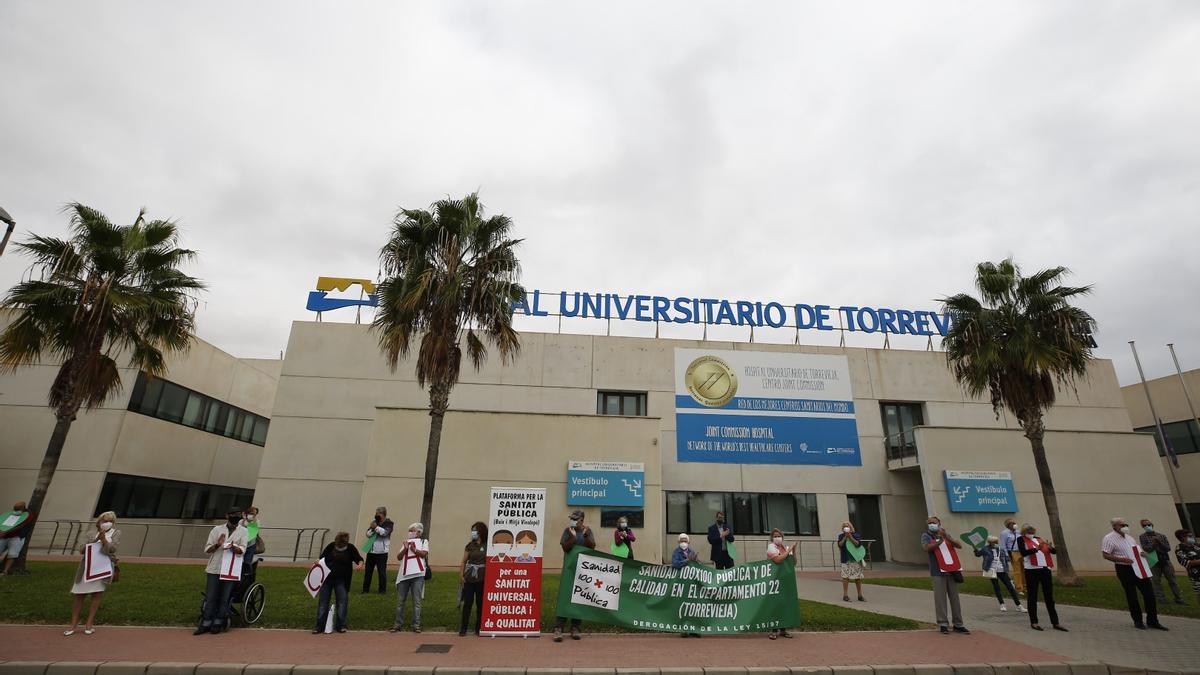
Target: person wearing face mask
[[576, 534], [342, 559], [12, 540], [680, 557], [852, 567], [944, 569], [410, 578], [526, 544], [1008, 543], [254, 543], [777, 552], [995, 569], [1037, 556], [1128, 559], [106, 533], [470, 573], [502, 546], [719, 537], [1188, 555], [228, 536], [379, 534], [1158, 543], [623, 538]]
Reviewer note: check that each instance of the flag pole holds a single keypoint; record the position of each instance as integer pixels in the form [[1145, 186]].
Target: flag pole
[[1187, 397], [1187, 518]]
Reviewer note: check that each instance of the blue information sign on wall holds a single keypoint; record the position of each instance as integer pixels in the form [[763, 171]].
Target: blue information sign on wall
[[981, 491], [606, 484]]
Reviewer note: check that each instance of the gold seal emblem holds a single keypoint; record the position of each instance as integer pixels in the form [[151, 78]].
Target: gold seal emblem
[[710, 381]]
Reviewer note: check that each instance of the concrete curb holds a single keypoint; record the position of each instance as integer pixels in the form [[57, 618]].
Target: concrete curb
[[183, 668]]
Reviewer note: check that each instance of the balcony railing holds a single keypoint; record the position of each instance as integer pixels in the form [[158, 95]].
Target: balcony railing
[[901, 447]]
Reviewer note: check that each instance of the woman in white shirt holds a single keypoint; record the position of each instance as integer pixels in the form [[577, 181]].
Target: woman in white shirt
[[410, 578], [777, 552], [107, 535]]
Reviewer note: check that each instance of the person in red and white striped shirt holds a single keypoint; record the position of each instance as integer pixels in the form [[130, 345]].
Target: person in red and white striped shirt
[[1037, 557], [1133, 572]]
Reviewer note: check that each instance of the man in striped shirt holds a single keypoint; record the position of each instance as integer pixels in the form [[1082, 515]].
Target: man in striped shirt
[[1132, 571]]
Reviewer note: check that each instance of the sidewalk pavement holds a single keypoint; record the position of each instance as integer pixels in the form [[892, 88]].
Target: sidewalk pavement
[[647, 651], [1095, 634]]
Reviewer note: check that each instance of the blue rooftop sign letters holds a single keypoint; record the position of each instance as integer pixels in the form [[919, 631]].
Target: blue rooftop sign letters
[[981, 491], [606, 484]]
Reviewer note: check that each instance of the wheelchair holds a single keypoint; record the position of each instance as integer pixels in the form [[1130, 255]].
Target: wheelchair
[[248, 600]]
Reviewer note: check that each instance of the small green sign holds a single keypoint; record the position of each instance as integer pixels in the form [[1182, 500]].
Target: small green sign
[[977, 537], [12, 519], [855, 550], [366, 546]]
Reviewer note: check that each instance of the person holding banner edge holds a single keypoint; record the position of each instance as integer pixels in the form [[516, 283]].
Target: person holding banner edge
[[721, 540], [1128, 560], [226, 538], [377, 547], [946, 573], [575, 534], [342, 559], [1038, 560], [106, 534], [777, 552], [853, 552]]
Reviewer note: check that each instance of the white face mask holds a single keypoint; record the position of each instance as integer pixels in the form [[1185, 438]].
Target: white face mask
[[1124, 529], [574, 523], [683, 545], [777, 540], [1013, 527], [250, 517], [413, 535], [106, 526], [846, 530], [474, 535], [502, 549], [525, 550]]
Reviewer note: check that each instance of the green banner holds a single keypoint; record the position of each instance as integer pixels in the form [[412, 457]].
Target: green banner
[[754, 597]]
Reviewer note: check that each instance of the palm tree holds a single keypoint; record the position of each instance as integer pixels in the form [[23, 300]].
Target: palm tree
[[108, 290], [449, 275], [1018, 342]]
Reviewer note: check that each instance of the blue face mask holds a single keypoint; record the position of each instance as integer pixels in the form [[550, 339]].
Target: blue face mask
[[1149, 529], [474, 535], [933, 527]]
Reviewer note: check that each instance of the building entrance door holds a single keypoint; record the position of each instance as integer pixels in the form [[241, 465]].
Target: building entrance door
[[864, 513]]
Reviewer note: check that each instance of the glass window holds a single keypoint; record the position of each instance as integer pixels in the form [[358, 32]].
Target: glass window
[[806, 513], [899, 420], [143, 500], [170, 504], [609, 518], [145, 497], [1184, 437], [215, 419], [781, 513], [702, 509], [169, 401], [193, 411], [234, 423], [260, 431], [171, 405], [149, 400], [621, 403], [677, 520], [746, 515]]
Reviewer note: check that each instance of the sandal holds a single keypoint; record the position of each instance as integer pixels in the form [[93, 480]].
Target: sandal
[[772, 636]]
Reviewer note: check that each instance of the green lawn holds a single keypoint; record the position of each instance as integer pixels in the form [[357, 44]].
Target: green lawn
[[169, 595], [1104, 592]]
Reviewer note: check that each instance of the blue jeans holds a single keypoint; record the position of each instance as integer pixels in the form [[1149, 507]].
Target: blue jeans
[[341, 590], [416, 587], [218, 595]]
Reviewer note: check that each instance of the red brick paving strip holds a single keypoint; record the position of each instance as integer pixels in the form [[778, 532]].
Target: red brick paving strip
[[46, 643]]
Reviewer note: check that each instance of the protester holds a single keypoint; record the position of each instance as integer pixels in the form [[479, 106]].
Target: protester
[[106, 533], [680, 557], [944, 569], [575, 534], [1037, 557], [228, 536], [342, 559], [1008, 543], [470, 574], [12, 541], [720, 538], [852, 568], [379, 534], [1158, 544], [623, 537], [1132, 571], [995, 568], [1188, 555], [254, 543], [410, 578], [777, 552]]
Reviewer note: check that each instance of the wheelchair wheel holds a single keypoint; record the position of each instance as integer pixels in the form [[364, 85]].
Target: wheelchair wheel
[[253, 603]]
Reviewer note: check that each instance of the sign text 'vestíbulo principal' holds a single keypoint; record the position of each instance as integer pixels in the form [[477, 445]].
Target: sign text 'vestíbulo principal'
[[715, 311]]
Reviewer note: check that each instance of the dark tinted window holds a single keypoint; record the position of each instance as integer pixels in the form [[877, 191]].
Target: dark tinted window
[[145, 497], [169, 401], [621, 403]]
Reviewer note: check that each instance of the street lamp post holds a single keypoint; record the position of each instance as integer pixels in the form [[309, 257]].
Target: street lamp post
[[11, 225]]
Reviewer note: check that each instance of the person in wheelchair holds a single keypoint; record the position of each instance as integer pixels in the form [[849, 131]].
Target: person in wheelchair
[[226, 543]]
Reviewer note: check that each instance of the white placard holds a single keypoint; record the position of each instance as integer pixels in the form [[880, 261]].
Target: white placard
[[231, 565], [96, 563], [315, 579], [11, 520]]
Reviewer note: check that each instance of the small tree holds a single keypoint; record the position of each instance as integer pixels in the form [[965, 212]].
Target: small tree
[[108, 289], [449, 275], [1017, 341]]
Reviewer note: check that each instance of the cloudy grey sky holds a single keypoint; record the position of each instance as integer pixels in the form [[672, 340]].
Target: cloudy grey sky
[[839, 153]]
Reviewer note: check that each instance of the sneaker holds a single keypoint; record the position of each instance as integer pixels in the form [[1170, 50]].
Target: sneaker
[[861, 599], [1158, 626], [558, 635], [1139, 626], [416, 629], [962, 629], [396, 628], [945, 630], [845, 598], [1003, 608], [1021, 609], [462, 633], [575, 634]]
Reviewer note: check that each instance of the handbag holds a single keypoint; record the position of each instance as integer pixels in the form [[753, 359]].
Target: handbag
[[957, 576], [989, 574]]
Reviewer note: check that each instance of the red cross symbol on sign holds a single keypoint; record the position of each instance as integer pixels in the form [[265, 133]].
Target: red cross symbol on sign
[[599, 584]]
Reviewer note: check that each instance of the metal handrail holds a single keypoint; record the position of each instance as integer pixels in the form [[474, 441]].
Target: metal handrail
[[72, 530]]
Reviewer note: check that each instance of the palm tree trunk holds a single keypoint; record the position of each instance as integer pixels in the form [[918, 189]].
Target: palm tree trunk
[[1035, 431], [439, 401], [49, 465]]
